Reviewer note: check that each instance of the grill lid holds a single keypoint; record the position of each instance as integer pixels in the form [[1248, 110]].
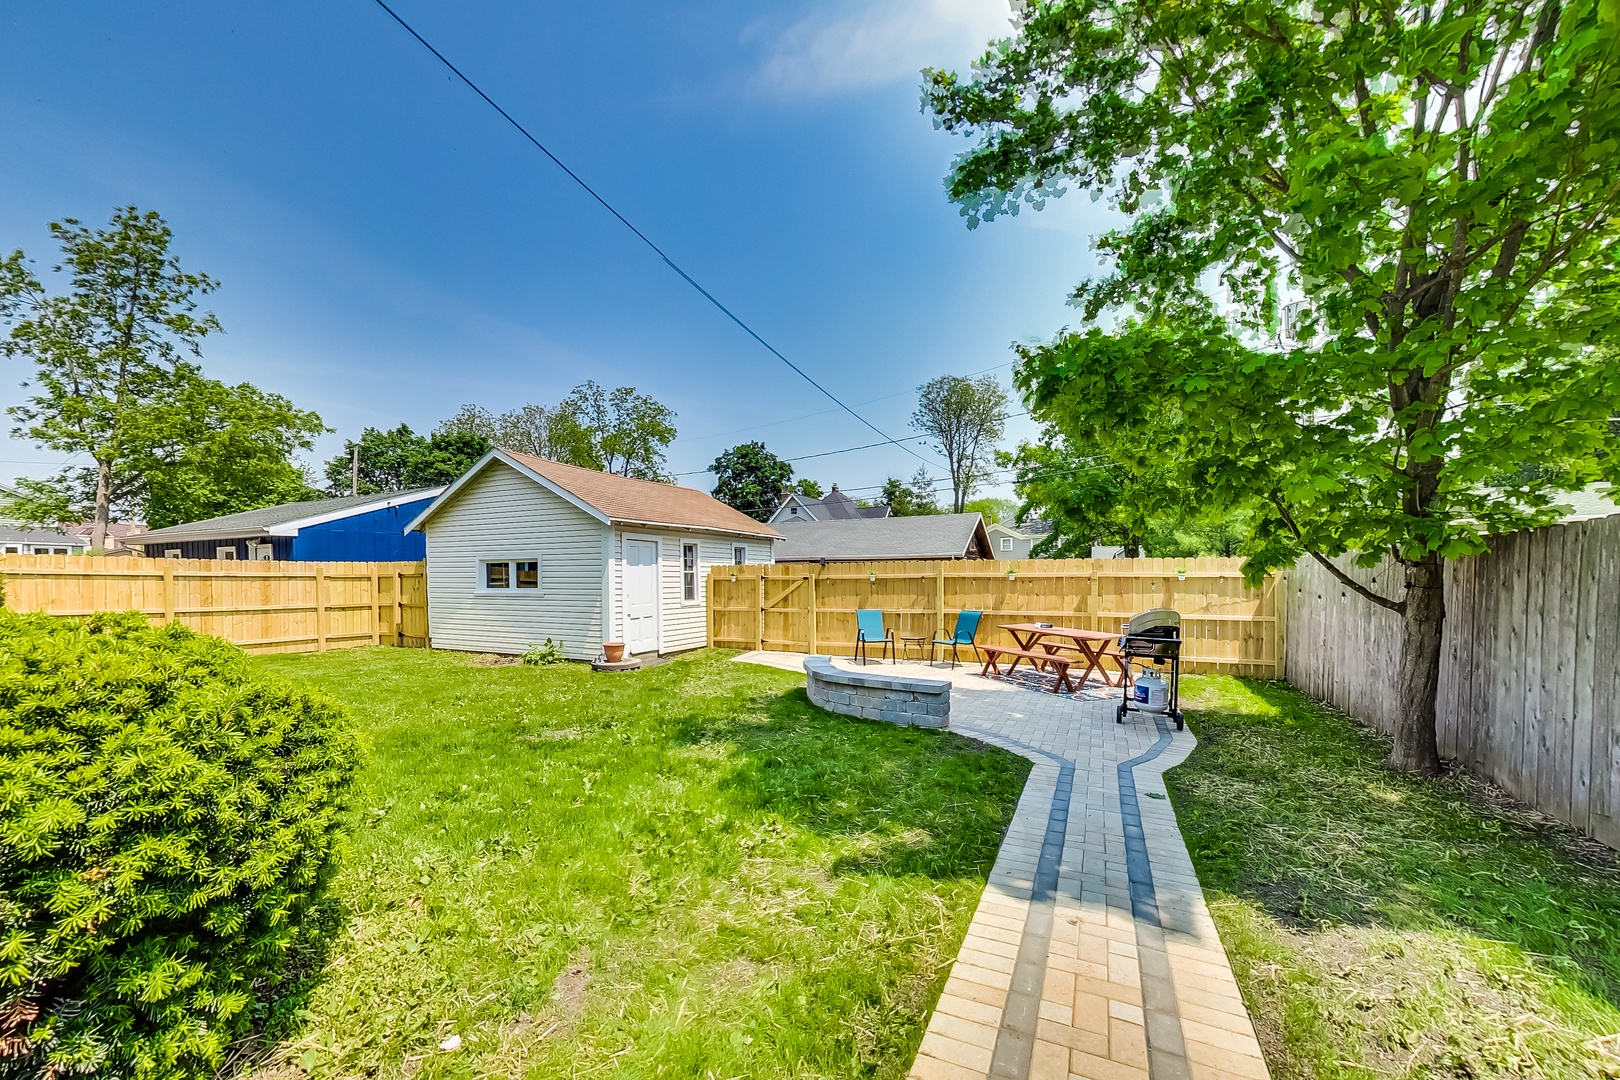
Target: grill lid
[[1164, 622]]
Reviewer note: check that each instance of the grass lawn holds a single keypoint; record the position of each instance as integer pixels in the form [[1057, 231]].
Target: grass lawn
[[687, 871], [1385, 926]]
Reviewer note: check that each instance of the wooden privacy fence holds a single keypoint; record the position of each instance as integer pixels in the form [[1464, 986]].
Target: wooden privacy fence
[[1529, 677], [805, 607], [260, 606]]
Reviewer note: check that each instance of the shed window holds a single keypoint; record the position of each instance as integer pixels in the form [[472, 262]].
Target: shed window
[[739, 554], [689, 572], [1006, 543], [225, 552], [509, 575], [171, 553]]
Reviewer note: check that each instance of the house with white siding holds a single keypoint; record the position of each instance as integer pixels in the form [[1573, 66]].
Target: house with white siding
[[520, 549]]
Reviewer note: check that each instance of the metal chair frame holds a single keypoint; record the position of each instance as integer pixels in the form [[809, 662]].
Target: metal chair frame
[[957, 638], [866, 615]]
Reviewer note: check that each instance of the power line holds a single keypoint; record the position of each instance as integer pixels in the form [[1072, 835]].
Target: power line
[[641, 235], [807, 457]]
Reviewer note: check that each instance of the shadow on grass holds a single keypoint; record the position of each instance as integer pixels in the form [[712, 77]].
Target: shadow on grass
[[280, 1017], [913, 801], [1286, 804]]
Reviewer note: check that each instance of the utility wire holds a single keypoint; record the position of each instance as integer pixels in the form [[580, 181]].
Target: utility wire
[[641, 235]]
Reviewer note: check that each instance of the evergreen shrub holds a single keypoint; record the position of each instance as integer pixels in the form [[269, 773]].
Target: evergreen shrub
[[167, 818]]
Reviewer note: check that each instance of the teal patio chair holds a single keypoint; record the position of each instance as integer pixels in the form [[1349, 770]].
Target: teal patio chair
[[967, 628], [869, 628]]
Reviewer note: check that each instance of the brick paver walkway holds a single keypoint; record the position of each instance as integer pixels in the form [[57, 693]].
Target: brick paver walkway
[[1092, 953]]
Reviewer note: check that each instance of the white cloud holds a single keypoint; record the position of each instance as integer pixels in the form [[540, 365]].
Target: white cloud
[[873, 42]]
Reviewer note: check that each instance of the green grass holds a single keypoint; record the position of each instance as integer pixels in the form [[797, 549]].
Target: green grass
[[687, 871], [1381, 925]]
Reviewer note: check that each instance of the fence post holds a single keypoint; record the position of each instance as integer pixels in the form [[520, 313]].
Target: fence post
[[760, 644], [376, 605], [399, 609], [811, 582], [1096, 599], [939, 600], [1279, 628], [320, 607], [168, 591]]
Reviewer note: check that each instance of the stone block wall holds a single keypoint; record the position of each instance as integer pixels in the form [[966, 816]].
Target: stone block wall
[[897, 699]]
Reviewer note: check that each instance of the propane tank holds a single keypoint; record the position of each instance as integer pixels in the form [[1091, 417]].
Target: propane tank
[[1152, 693]]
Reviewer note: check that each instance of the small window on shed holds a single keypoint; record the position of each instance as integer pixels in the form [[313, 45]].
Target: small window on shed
[[689, 572], [171, 553], [225, 552], [497, 575], [1006, 543], [527, 574]]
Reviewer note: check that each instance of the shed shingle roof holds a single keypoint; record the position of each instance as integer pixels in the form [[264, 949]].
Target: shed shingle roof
[[931, 536], [645, 502]]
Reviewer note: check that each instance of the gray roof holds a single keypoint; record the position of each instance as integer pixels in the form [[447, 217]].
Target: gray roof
[[835, 506], [929, 536], [261, 522], [1592, 501], [13, 533]]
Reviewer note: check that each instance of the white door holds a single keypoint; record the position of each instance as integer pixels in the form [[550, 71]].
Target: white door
[[641, 596]]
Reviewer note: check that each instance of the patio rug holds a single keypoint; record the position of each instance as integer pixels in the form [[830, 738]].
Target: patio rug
[[1094, 689]]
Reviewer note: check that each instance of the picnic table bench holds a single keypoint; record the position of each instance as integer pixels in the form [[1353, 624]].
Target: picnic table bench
[[1042, 660], [1044, 646]]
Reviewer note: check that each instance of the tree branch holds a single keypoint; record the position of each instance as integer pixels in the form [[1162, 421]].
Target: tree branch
[[1397, 606]]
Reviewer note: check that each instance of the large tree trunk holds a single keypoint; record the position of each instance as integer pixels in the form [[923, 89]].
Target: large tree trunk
[[98, 527], [1418, 679]]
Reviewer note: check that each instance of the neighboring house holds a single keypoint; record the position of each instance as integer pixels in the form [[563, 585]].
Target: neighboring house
[[927, 536], [120, 536], [1592, 501], [352, 528], [18, 539], [835, 507], [1014, 541], [520, 549]]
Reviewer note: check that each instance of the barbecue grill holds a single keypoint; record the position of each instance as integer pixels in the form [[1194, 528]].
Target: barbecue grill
[[1153, 637]]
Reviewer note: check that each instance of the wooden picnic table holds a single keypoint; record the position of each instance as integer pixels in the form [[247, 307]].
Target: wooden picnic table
[[1092, 645]]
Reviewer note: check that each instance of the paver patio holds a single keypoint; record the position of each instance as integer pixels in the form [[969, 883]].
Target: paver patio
[[1092, 953]]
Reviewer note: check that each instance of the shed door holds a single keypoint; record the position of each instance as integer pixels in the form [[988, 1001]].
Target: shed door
[[641, 596]]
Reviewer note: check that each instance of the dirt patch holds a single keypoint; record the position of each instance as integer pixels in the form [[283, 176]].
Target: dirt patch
[[568, 991], [495, 660], [552, 735]]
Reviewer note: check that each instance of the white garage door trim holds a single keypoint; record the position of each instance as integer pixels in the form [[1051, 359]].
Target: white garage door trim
[[642, 634]]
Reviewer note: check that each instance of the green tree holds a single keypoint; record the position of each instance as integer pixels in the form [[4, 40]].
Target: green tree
[[810, 489], [115, 379], [1429, 186], [750, 478], [992, 510], [910, 499], [553, 432], [402, 460], [221, 449], [620, 431], [966, 418]]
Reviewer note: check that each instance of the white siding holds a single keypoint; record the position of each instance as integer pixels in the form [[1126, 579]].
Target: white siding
[[504, 514], [682, 624]]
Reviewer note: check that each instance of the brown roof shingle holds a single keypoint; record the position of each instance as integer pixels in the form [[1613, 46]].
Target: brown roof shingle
[[644, 501]]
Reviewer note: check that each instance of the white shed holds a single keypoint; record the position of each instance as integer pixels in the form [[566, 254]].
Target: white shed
[[521, 549]]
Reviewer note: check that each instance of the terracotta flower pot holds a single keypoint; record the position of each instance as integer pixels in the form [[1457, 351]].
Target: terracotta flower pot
[[613, 651]]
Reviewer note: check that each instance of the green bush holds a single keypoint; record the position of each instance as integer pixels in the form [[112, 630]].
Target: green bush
[[167, 818]]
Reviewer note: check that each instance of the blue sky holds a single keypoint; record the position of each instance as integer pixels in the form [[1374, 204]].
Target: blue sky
[[389, 248]]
